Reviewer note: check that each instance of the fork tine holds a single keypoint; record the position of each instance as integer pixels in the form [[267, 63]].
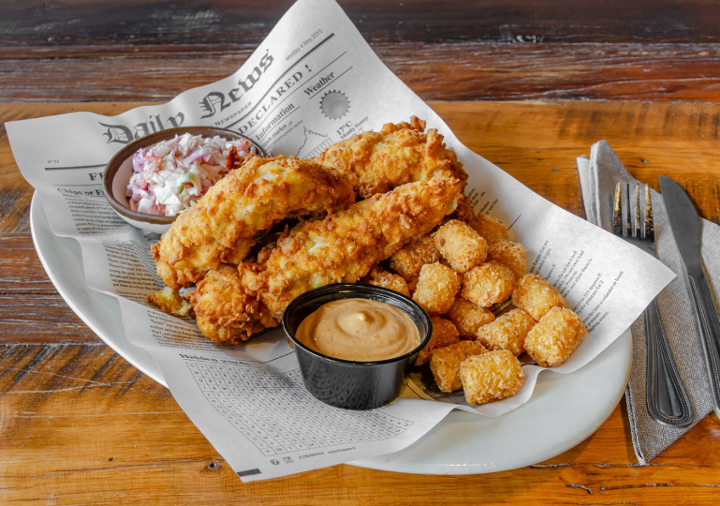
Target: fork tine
[[649, 224], [637, 230], [628, 212], [617, 212]]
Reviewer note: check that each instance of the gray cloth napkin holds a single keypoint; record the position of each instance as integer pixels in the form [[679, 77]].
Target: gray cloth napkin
[[598, 177]]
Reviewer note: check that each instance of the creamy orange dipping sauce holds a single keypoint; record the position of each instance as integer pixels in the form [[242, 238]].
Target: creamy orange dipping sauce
[[361, 330]]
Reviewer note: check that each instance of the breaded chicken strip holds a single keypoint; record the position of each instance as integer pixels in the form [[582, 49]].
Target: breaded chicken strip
[[341, 248], [379, 161], [225, 310], [220, 227]]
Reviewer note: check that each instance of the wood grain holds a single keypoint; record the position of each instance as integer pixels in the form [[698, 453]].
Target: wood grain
[[116, 50], [80, 426], [435, 71], [78, 22]]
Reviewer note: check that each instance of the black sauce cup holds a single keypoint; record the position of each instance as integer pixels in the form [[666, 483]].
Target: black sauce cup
[[345, 383]]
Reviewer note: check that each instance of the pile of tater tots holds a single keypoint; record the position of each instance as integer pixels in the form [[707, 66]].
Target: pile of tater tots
[[457, 274]]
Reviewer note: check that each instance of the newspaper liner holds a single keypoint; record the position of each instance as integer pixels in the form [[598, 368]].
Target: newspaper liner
[[312, 82]]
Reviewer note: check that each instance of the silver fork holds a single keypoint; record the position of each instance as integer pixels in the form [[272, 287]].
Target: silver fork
[[665, 394]]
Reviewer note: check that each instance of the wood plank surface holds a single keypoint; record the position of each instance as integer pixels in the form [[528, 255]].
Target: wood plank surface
[[80, 426], [87, 22], [435, 71], [124, 50]]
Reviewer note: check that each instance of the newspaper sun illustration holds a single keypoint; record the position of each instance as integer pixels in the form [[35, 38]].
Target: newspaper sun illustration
[[334, 104]]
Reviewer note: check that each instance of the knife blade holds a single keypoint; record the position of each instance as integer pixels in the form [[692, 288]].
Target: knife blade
[[686, 227]]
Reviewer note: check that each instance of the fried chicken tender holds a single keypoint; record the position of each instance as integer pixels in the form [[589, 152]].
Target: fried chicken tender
[[398, 154], [507, 332], [444, 334], [408, 261], [170, 301], [445, 363], [491, 376], [436, 289], [555, 337], [536, 296], [460, 245], [488, 284], [468, 317], [225, 312], [220, 227], [382, 278], [340, 248]]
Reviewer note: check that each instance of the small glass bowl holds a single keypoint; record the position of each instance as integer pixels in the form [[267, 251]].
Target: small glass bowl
[[344, 383], [119, 171]]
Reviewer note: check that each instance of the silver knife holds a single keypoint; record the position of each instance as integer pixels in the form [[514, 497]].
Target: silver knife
[[687, 230]]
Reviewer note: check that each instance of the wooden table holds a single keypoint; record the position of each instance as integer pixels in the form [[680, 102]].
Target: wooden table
[[80, 426]]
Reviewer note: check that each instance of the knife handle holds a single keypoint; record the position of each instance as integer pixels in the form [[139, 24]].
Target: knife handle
[[665, 395], [709, 325]]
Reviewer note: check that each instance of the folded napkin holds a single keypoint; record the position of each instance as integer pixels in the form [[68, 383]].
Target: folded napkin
[[598, 177]]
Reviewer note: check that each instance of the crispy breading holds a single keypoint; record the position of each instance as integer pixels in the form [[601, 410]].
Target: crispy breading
[[509, 253], [170, 301], [488, 284], [460, 245], [507, 332], [536, 296], [555, 337], [409, 260], [436, 288], [340, 248], [380, 277], [233, 160], [444, 334], [491, 376], [398, 154], [343, 247], [445, 363], [490, 228], [468, 317], [224, 310], [220, 227]]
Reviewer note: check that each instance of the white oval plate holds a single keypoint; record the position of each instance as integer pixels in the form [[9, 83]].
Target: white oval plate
[[564, 408]]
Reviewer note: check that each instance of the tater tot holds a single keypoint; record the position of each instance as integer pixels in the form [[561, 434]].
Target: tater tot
[[408, 261], [507, 332], [460, 245], [445, 363], [412, 285], [509, 253], [490, 228], [488, 284], [468, 317], [444, 334], [491, 376], [436, 288], [536, 296], [555, 336], [380, 277]]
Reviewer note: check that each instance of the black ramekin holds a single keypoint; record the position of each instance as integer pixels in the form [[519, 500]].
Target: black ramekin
[[345, 383]]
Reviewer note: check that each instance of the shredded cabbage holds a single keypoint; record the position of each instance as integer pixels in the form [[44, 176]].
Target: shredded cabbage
[[170, 176]]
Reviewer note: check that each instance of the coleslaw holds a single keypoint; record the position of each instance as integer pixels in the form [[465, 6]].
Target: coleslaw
[[170, 176]]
